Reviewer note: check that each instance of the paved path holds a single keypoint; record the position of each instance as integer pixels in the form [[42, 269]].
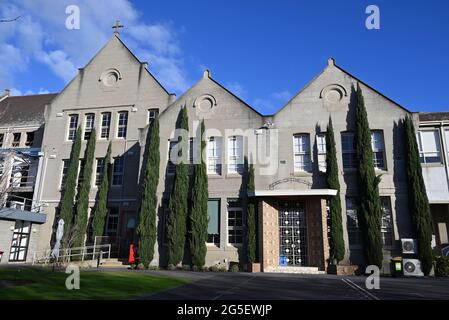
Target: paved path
[[271, 286]]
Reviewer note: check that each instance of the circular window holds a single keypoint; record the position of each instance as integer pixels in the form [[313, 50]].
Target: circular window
[[110, 78], [206, 104]]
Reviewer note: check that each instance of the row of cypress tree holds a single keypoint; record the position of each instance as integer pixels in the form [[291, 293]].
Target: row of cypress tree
[[75, 201], [370, 212]]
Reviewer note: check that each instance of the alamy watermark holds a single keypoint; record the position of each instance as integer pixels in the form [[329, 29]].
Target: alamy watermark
[[373, 20], [73, 21]]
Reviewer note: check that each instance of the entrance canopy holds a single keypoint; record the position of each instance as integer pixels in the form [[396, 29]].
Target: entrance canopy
[[292, 192]]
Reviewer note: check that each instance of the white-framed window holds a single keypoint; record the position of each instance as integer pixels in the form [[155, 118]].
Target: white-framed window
[[378, 147], [235, 154], [99, 171], [354, 234], [321, 151], [429, 146], [387, 221], [105, 125], [20, 241], [172, 158], [152, 114], [122, 124], [348, 150], [64, 171], [73, 126], [213, 226], [301, 152], [235, 221], [214, 155], [117, 172], [89, 122]]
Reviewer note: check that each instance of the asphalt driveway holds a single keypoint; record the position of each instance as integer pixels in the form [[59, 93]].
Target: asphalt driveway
[[274, 286]]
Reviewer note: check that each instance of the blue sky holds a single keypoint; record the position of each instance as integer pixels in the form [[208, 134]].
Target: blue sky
[[264, 51]]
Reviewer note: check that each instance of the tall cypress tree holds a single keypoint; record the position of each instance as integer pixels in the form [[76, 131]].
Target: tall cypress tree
[[69, 190], [251, 219], [417, 196], [337, 245], [370, 213], [147, 229], [101, 205], [178, 202], [198, 213], [82, 205]]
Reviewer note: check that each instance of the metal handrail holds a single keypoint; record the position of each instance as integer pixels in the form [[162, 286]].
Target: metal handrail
[[68, 253]]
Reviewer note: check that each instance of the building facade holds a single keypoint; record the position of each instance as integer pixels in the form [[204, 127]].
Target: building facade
[[433, 143], [116, 94]]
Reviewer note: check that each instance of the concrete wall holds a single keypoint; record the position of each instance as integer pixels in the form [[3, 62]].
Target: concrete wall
[[135, 91]]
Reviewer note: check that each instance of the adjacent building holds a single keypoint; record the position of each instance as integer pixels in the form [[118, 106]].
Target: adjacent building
[[116, 95], [22, 122], [433, 143]]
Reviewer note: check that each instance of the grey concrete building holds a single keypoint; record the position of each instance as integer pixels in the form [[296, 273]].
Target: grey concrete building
[[116, 94]]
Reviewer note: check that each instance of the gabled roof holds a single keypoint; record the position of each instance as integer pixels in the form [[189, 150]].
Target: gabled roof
[[115, 37], [331, 62], [24, 110], [206, 75]]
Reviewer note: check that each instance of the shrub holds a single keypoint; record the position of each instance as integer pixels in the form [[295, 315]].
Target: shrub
[[204, 269], [441, 266], [234, 268], [223, 269], [185, 267], [140, 266], [153, 267], [171, 267], [213, 268], [196, 268]]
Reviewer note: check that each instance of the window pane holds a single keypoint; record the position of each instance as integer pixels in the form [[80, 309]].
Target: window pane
[[214, 155], [235, 154], [122, 124], [301, 149], [73, 125], [213, 228], [387, 223], [352, 222], [105, 125]]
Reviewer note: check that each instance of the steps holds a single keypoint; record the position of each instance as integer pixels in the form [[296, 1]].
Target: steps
[[299, 270]]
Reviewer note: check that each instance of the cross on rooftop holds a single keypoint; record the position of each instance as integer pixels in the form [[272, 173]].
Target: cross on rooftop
[[117, 27]]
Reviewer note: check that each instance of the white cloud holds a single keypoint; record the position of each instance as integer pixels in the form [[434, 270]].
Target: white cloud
[[18, 92], [59, 63], [41, 36]]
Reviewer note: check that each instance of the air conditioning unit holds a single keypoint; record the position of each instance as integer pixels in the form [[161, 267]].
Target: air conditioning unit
[[409, 246], [412, 268]]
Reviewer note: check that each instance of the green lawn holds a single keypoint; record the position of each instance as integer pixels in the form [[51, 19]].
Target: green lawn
[[36, 283]]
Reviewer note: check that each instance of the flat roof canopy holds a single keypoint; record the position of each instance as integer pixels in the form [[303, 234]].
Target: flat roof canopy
[[293, 192]]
